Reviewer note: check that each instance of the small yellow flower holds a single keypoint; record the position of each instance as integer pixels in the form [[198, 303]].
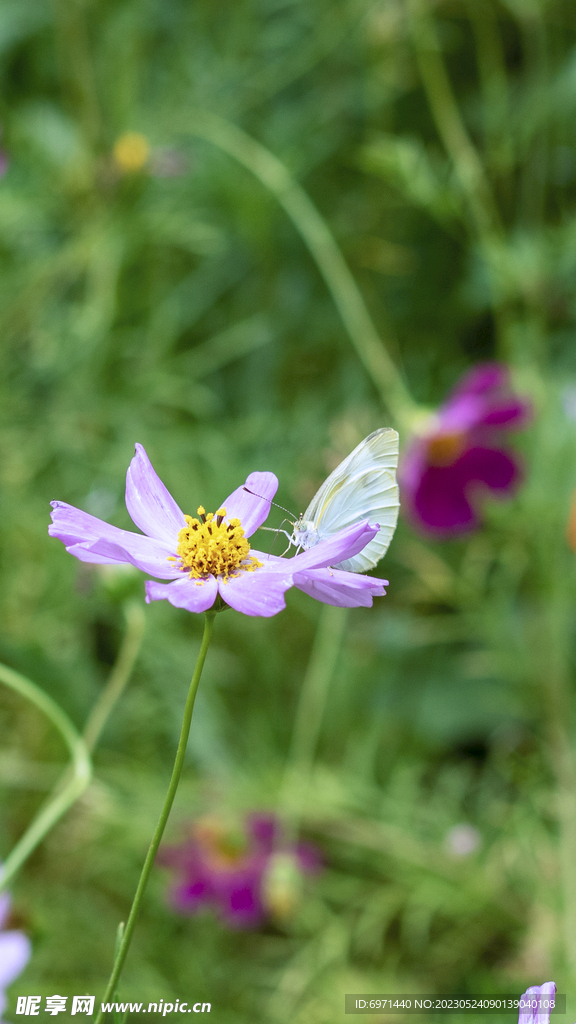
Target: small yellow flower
[[131, 152]]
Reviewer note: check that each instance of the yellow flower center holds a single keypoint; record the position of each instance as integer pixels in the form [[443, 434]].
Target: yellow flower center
[[210, 545], [444, 449], [222, 846]]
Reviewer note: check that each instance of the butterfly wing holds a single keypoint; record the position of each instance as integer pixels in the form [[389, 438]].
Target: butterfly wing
[[362, 487]]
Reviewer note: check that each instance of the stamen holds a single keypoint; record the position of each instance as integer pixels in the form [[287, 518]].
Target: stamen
[[445, 449], [213, 547]]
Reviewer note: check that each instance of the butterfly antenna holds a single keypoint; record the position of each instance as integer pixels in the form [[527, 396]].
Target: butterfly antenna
[[271, 503]]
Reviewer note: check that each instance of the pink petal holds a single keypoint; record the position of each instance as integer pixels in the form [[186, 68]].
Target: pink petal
[[93, 540], [538, 994], [256, 593], [238, 895], [482, 378], [252, 509], [15, 951], [145, 553], [73, 526], [83, 554], [336, 549], [189, 896], [459, 415], [243, 907], [151, 506], [440, 504], [350, 580], [262, 828], [486, 390], [193, 595], [490, 466], [336, 587], [516, 412]]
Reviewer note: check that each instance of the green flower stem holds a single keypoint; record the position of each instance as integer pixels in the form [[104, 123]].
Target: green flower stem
[[309, 715], [120, 674], [74, 787], [128, 931], [316, 234]]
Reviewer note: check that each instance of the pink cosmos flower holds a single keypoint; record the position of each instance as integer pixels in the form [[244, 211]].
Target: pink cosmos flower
[[208, 556], [226, 870], [15, 950], [536, 1003], [461, 456]]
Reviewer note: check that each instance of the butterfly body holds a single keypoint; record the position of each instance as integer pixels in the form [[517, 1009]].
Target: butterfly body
[[305, 534], [363, 487]]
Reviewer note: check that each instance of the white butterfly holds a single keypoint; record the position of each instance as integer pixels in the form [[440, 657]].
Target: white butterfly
[[362, 487]]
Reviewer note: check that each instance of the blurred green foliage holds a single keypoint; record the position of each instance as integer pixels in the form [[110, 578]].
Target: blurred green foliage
[[178, 306]]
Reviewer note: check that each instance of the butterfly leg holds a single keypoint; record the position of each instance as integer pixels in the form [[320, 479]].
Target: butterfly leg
[[271, 529]]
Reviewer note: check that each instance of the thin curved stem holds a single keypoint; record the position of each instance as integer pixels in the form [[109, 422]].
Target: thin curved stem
[[119, 676], [316, 234], [127, 932], [81, 768]]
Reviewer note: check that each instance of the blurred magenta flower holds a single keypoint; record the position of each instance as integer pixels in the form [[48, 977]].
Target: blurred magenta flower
[[236, 872], [459, 456], [536, 1003], [209, 556], [15, 950]]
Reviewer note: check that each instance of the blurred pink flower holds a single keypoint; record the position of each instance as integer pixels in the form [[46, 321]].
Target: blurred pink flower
[[460, 456], [230, 871]]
